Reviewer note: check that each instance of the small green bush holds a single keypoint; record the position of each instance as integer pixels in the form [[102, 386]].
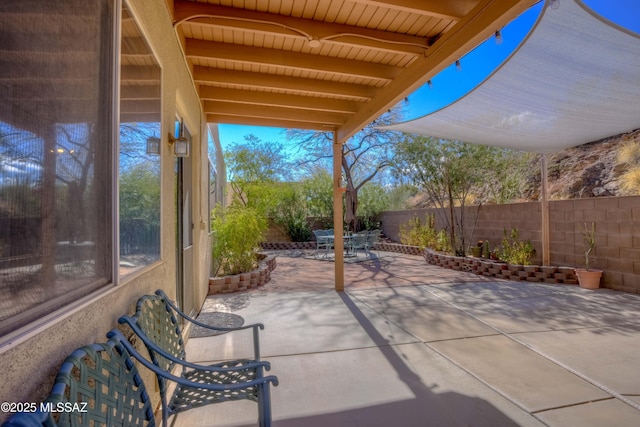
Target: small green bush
[[514, 251], [291, 216], [415, 233], [237, 233]]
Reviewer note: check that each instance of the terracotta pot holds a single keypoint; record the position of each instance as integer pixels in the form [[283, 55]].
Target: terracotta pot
[[588, 279]]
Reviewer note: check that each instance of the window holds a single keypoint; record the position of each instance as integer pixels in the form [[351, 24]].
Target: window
[[56, 148], [140, 136]]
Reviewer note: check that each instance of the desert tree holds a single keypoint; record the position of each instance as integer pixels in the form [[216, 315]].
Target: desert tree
[[453, 174], [363, 156]]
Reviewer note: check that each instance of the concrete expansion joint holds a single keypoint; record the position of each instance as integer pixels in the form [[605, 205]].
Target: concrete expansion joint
[[551, 359], [604, 399]]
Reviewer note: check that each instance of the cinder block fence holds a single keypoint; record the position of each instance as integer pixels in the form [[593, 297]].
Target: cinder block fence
[[617, 221]]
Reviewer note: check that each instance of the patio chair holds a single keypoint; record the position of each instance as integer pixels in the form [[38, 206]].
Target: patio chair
[[156, 325], [372, 238], [97, 385], [358, 242], [30, 419], [324, 241]]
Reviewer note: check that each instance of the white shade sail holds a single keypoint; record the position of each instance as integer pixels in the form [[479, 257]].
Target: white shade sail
[[573, 80]]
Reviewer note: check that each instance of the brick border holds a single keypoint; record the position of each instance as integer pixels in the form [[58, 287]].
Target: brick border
[[502, 270], [398, 248], [281, 246], [244, 281], [380, 246]]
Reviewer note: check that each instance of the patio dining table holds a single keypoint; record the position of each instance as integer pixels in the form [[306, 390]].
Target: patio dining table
[[347, 238]]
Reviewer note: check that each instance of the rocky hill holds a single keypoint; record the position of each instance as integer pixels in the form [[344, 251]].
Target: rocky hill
[[589, 170]]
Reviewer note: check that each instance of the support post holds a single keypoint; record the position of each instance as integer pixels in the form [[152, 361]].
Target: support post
[[546, 257], [338, 225]]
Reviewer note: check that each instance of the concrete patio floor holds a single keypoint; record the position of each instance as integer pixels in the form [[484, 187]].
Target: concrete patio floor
[[409, 344]]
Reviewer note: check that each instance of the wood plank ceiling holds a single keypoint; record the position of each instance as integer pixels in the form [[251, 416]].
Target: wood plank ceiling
[[330, 65]]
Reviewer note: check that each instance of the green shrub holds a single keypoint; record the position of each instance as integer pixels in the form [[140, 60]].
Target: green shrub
[[514, 251], [291, 215], [237, 233], [443, 243], [415, 233]]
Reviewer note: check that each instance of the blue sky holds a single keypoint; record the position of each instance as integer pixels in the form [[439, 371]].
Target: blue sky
[[451, 84]]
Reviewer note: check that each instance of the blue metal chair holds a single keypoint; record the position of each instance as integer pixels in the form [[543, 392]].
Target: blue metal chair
[[97, 385], [156, 325], [324, 241], [30, 419], [358, 242], [372, 238]]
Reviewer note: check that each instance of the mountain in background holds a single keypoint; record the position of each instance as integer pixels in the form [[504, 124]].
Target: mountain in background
[[588, 170]]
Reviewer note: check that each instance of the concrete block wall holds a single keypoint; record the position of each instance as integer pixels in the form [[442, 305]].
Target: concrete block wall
[[275, 233], [617, 249], [617, 220]]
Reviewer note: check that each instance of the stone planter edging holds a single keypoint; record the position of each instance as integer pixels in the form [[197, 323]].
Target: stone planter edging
[[279, 246], [398, 248], [244, 281], [500, 270], [380, 246]]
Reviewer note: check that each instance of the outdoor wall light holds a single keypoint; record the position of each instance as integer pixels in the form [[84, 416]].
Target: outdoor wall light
[[180, 146], [153, 145], [498, 37]]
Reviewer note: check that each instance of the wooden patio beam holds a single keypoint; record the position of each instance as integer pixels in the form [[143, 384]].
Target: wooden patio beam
[[263, 81], [288, 60], [273, 24]]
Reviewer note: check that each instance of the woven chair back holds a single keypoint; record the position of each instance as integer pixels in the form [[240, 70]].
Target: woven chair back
[[157, 320], [99, 385]]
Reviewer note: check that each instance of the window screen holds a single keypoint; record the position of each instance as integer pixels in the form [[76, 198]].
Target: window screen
[[56, 144]]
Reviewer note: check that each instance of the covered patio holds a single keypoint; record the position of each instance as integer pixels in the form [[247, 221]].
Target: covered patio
[[408, 344]]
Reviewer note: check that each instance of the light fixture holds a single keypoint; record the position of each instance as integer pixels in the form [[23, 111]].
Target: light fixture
[[458, 65], [554, 4], [314, 43], [430, 84], [498, 37], [153, 145], [180, 146]]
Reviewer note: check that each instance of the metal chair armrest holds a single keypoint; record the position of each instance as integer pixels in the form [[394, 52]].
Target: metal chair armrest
[[119, 339], [255, 326], [251, 364], [161, 294]]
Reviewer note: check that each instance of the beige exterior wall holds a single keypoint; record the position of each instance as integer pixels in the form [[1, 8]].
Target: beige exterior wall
[[617, 222], [31, 359]]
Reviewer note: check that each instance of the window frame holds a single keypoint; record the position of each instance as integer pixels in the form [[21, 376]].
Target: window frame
[[118, 277]]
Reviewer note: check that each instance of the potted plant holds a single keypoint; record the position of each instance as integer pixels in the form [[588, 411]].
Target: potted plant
[[588, 278], [476, 251]]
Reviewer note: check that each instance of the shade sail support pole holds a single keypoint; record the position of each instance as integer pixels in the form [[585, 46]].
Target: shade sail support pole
[[544, 208], [338, 225]]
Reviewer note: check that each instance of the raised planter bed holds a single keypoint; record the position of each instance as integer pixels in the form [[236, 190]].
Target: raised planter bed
[[244, 281], [501, 270], [380, 246], [283, 246]]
